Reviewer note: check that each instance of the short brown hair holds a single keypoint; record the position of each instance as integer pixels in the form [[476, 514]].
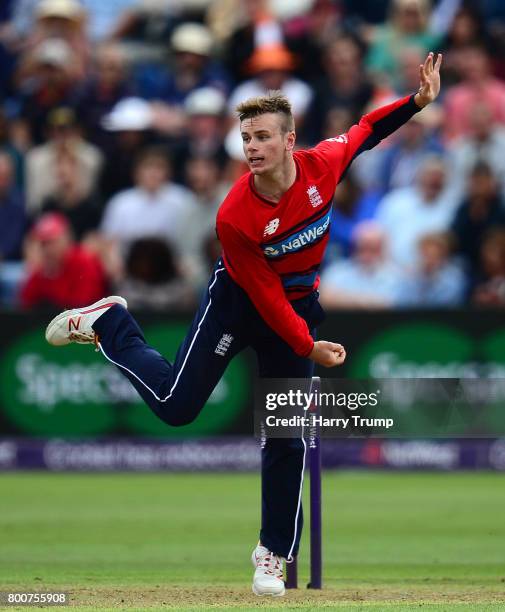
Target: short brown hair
[[273, 102]]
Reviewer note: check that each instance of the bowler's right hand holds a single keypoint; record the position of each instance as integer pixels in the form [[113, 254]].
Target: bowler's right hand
[[327, 354]]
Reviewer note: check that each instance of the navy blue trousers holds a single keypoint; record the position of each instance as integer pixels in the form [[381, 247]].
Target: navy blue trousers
[[226, 323]]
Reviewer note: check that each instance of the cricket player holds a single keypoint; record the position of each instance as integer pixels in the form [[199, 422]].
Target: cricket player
[[274, 227]]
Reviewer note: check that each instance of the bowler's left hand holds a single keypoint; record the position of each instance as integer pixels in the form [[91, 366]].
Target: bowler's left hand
[[429, 76]]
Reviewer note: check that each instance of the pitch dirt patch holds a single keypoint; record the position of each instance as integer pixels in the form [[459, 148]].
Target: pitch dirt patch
[[212, 597]]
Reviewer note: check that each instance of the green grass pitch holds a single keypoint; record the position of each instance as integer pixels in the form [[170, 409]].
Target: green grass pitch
[[392, 541]]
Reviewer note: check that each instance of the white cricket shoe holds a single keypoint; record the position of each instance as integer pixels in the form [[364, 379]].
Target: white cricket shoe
[[268, 575], [75, 325]]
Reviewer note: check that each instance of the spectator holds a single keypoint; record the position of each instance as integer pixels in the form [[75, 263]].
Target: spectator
[[49, 87], [154, 207], [368, 279], [272, 67], [108, 84], [129, 123], [406, 27], [59, 20], [204, 178], [490, 288], [306, 35], [481, 211], [242, 26], [409, 213], [192, 68], [344, 84], [205, 108], [81, 209], [411, 145], [467, 29], [152, 279], [485, 142], [245, 25], [62, 274], [368, 168], [318, 52], [351, 207], [478, 87], [437, 281], [407, 80], [41, 162]]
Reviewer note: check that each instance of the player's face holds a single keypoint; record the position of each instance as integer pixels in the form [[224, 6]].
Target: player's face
[[266, 145]]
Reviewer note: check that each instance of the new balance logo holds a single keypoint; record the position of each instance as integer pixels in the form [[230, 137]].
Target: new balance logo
[[223, 345], [314, 196], [74, 323], [271, 227]]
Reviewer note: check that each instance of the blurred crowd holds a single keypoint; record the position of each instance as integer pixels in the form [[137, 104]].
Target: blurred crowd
[[119, 140]]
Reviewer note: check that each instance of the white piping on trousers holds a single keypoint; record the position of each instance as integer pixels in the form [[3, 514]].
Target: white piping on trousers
[[290, 554], [187, 354], [290, 557]]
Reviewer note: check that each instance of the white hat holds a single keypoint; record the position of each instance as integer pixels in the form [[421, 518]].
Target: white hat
[[233, 144], [54, 51], [130, 114], [205, 101], [66, 9], [192, 38]]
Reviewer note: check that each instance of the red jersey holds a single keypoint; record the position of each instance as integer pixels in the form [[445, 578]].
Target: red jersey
[[273, 250], [80, 281]]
